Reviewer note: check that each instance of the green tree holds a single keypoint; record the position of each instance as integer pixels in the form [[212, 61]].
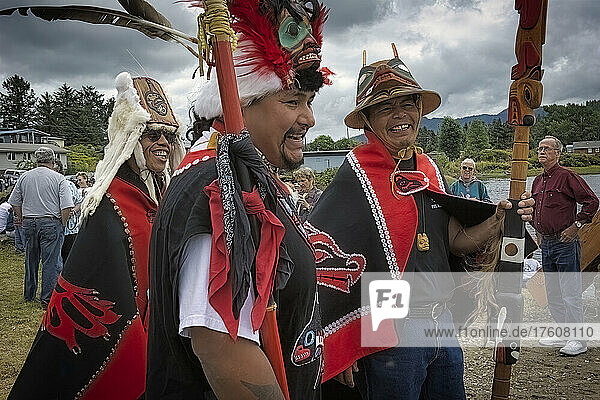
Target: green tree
[[323, 179], [66, 105], [17, 105], [45, 114], [91, 116], [451, 138], [346, 144], [427, 139], [476, 137], [569, 123], [500, 134], [322, 143], [82, 158]]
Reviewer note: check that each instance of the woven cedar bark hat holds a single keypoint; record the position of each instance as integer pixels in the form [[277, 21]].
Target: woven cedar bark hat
[[155, 102], [384, 80]]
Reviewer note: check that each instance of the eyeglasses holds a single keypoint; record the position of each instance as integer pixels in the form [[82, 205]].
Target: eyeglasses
[[545, 149], [467, 168], [155, 136]]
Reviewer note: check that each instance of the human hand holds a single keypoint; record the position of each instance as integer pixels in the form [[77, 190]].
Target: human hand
[[525, 207], [303, 203], [346, 377], [569, 234]]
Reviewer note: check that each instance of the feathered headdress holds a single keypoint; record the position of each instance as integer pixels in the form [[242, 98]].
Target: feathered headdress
[[277, 40]]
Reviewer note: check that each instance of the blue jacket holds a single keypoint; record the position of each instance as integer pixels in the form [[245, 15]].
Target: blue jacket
[[475, 189]]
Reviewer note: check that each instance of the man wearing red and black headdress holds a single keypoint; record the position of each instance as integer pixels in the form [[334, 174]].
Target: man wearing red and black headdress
[[387, 211], [210, 283]]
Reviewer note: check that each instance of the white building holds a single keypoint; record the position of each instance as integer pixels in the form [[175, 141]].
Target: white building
[[20, 144]]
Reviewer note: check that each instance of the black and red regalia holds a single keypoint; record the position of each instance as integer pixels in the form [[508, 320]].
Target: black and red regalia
[[375, 231], [92, 341], [192, 206]]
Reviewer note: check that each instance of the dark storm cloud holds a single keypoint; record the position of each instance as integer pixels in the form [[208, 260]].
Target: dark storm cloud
[[344, 13], [463, 49], [48, 54], [66, 50]]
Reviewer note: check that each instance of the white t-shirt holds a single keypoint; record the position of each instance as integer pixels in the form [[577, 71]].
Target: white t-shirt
[[202, 142], [194, 308], [4, 211], [41, 192]]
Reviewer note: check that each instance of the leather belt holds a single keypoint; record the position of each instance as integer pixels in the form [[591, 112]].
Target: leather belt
[[555, 236], [41, 217], [433, 310]]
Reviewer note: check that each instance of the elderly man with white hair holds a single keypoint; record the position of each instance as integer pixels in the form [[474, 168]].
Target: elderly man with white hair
[[467, 185], [42, 202]]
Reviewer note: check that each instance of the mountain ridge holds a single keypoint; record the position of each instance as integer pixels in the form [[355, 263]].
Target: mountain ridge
[[435, 123]]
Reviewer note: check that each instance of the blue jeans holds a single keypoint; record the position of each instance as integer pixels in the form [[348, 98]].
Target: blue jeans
[[561, 265], [19, 239], [434, 371], [43, 238]]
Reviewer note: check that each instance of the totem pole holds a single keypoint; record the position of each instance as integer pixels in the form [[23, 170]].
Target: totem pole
[[525, 96]]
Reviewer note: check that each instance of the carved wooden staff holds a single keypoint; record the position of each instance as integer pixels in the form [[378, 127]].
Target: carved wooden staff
[[217, 17], [525, 96]]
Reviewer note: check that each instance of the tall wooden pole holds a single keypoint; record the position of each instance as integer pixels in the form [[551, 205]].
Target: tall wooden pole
[[525, 96], [234, 123]]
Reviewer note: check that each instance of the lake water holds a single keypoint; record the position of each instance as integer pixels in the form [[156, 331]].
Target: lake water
[[498, 190]]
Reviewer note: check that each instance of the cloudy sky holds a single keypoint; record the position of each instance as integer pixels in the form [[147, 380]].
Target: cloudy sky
[[463, 49]]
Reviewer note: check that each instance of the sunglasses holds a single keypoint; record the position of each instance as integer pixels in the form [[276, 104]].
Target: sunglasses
[[545, 149], [154, 136], [467, 168]]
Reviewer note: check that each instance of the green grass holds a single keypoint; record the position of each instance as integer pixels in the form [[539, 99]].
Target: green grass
[[19, 321]]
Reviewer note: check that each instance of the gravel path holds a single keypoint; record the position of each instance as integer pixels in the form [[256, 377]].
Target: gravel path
[[541, 373]]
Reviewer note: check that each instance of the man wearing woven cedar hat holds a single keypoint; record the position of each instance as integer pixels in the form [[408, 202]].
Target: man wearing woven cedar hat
[[206, 310], [92, 340], [406, 230]]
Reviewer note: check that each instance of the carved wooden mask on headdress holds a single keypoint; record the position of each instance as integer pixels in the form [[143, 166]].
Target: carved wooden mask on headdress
[[154, 100], [283, 36]]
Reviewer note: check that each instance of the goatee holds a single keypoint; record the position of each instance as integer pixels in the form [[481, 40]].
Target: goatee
[[289, 164]]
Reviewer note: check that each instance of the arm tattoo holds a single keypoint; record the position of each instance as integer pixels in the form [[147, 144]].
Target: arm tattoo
[[266, 392]]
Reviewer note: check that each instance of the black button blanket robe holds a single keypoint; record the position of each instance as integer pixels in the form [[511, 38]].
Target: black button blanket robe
[[360, 225], [189, 208], [92, 340]]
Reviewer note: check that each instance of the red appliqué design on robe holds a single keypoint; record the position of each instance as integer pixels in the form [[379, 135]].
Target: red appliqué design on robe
[[93, 313], [335, 268]]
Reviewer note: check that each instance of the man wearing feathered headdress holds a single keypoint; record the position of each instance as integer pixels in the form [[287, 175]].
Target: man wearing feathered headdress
[[206, 311], [398, 221], [92, 340]]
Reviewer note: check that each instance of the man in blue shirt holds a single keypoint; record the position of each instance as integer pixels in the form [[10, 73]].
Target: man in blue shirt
[[468, 185]]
